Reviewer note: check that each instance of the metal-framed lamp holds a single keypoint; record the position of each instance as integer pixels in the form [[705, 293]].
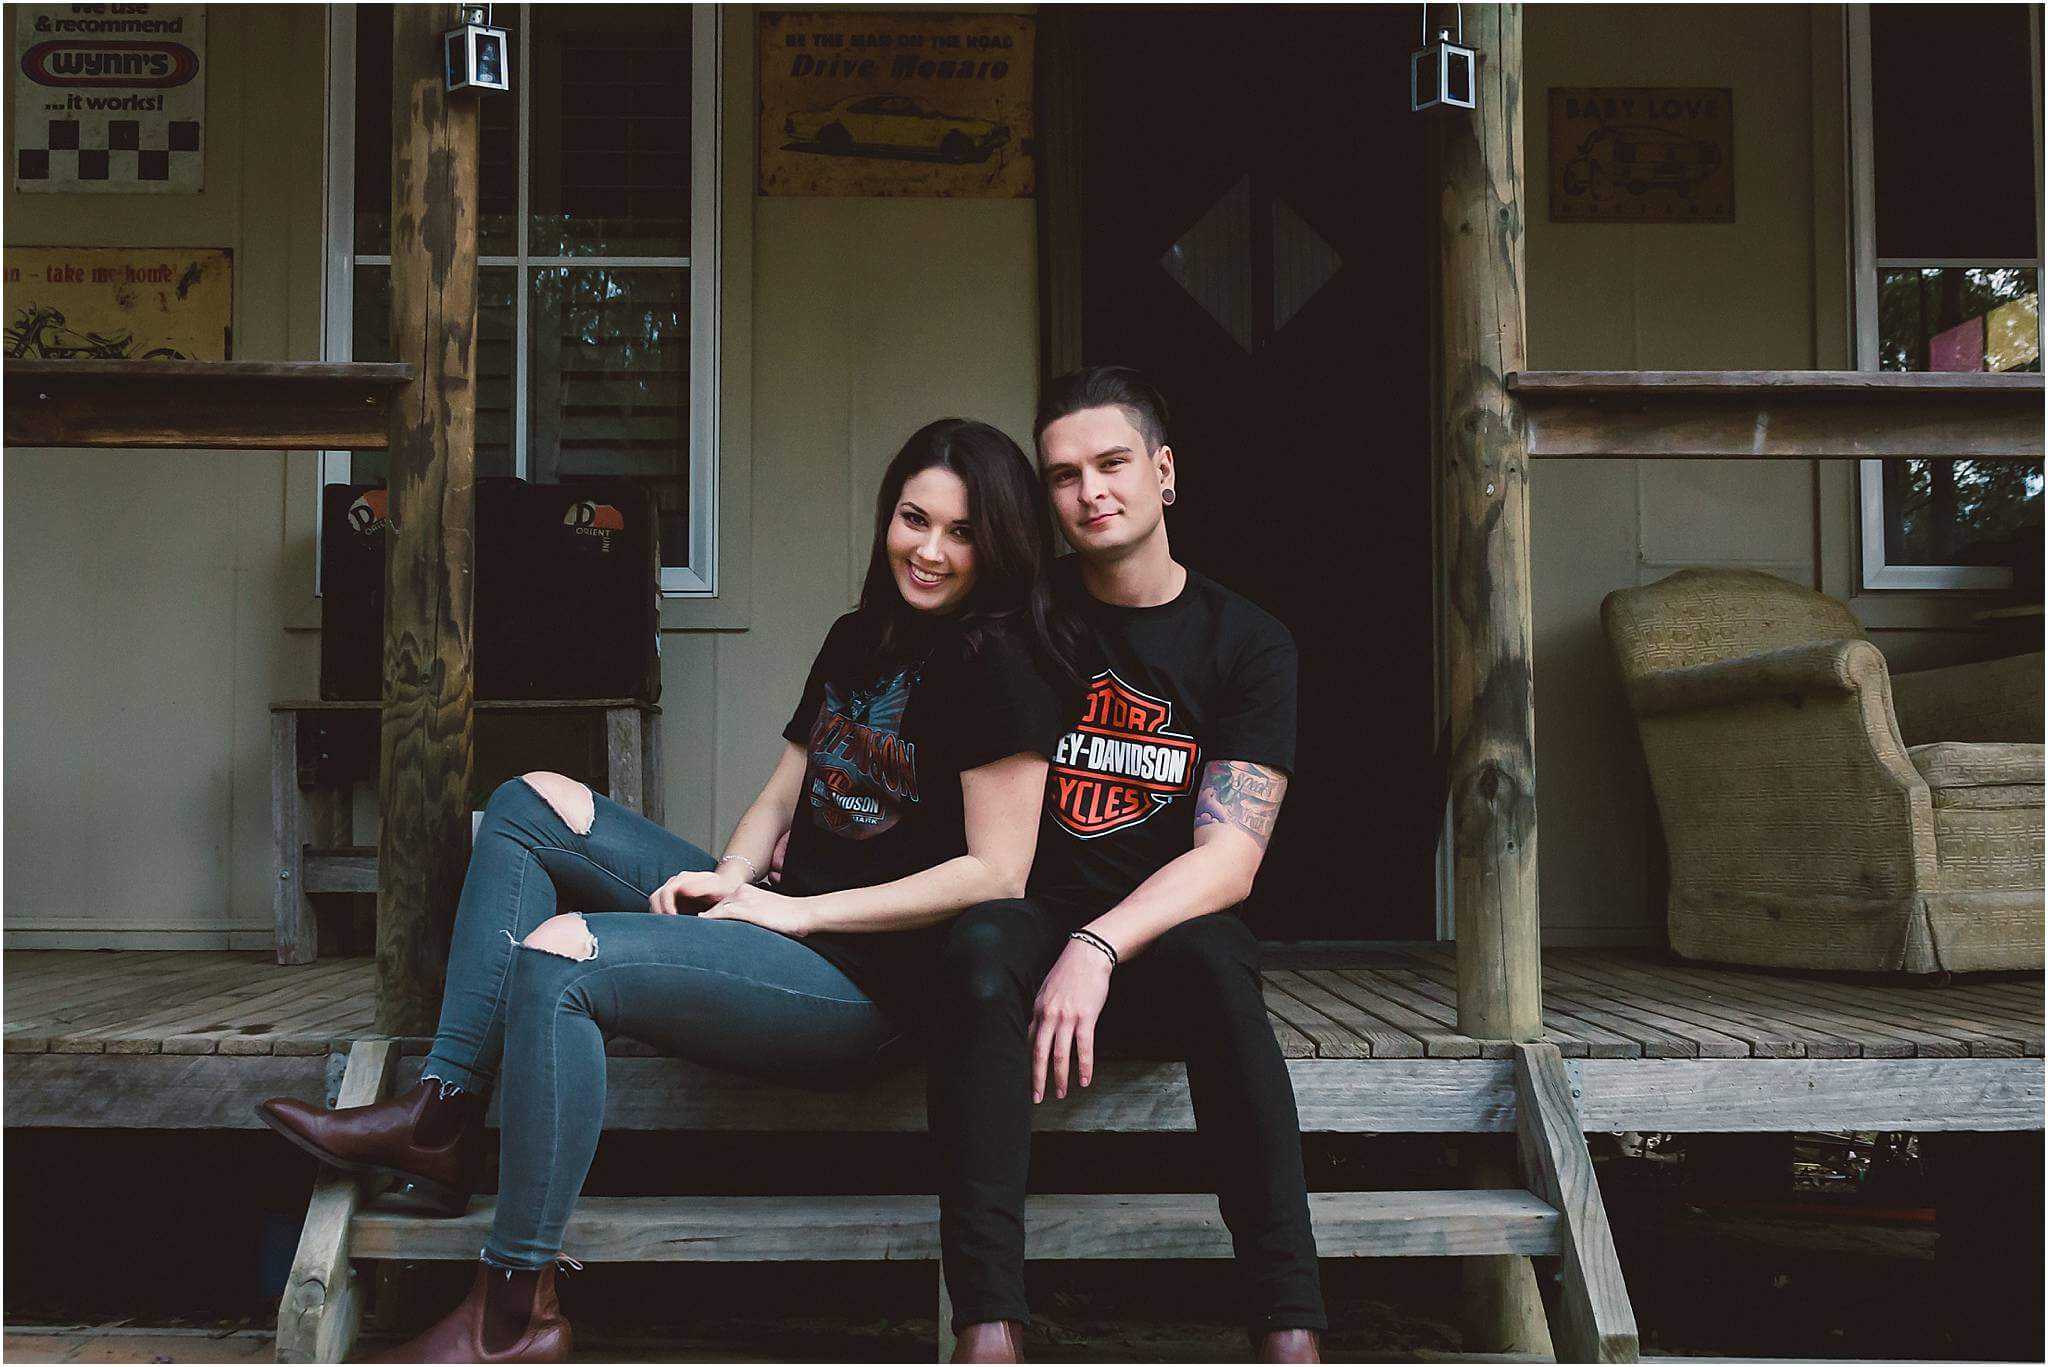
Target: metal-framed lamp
[[1443, 75], [478, 55]]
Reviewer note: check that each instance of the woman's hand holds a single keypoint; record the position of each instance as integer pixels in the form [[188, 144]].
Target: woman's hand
[[692, 891], [787, 915], [1063, 1018]]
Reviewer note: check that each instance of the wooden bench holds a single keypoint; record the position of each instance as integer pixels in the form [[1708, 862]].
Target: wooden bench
[[318, 750], [1556, 1216]]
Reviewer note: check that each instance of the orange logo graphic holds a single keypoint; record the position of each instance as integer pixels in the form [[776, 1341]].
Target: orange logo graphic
[[1120, 764], [371, 512], [599, 517], [600, 520]]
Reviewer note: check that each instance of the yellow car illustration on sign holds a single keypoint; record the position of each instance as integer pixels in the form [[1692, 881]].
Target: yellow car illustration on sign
[[895, 125]]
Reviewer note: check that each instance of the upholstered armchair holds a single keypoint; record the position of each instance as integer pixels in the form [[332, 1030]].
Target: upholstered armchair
[[1820, 812]]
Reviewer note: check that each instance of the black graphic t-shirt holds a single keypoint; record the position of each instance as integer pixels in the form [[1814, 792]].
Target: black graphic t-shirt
[[1208, 676], [881, 797]]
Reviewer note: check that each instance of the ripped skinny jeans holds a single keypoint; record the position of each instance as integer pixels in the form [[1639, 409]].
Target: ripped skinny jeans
[[725, 994]]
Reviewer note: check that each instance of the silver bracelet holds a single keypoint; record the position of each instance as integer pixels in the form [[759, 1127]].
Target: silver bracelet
[[751, 866], [1094, 941]]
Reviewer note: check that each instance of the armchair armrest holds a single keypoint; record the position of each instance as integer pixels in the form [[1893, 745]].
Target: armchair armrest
[[1950, 765], [1824, 667], [1994, 700]]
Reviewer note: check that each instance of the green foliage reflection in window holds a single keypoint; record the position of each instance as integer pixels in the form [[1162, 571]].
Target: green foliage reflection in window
[[1960, 512]]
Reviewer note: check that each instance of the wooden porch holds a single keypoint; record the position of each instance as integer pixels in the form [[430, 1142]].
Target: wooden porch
[[182, 1039], [1380, 1041]]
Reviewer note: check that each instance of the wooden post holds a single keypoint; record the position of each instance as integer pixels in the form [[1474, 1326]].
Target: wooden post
[[322, 1306], [298, 929], [948, 1341], [1595, 1322], [1478, 263], [425, 748], [1504, 1305], [1486, 542]]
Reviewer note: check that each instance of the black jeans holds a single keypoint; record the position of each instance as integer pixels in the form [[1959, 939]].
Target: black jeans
[[1193, 994]]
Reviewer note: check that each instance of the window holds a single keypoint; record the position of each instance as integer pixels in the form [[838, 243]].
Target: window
[[1948, 269], [597, 270]]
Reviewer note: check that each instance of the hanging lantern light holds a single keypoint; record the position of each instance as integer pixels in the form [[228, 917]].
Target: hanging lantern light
[[1443, 75], [478, 55]]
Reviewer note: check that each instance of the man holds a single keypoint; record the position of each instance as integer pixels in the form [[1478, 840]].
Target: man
[[1159, 805]]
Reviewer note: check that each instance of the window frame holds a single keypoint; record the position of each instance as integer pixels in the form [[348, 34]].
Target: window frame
[[700, 578], [1864, 268]]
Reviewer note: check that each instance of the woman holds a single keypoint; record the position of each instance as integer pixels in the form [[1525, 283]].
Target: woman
[[908, 790]]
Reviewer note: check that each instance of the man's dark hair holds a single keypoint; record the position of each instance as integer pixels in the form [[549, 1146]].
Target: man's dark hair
[[1104, 386]]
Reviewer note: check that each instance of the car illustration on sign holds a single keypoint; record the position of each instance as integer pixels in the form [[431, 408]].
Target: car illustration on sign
[[1639, 158], [896, 126]]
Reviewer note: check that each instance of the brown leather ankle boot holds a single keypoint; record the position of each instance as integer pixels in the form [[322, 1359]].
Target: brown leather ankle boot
[[459, 1335], [990, 1341], [426, 1140], [1290, 1345]]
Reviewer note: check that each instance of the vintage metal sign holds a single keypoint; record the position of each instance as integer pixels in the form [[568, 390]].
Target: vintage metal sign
[[120, 303], [854, 103], [1642, 155], [110, 98]]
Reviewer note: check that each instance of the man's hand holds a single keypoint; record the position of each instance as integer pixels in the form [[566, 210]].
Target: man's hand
[[787, 915], [691, 892], [1063, 1018]]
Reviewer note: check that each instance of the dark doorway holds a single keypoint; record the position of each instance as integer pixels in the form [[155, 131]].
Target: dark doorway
[[1251, 233]]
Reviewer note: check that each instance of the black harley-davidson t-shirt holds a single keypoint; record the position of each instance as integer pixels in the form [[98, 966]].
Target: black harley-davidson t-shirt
[[881, 800], [1208, 676]]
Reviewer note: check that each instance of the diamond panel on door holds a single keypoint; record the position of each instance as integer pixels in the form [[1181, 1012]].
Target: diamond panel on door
[[1212, 261], [1216, 262]]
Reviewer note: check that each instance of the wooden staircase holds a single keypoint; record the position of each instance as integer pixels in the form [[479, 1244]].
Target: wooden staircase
[[1557, 1219]]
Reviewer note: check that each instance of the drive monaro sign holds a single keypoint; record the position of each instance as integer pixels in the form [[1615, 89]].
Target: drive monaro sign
[[855, 103], [109, 98]]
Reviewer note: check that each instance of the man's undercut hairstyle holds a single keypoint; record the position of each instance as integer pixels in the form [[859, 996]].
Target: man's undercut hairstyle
[[1104, 386]]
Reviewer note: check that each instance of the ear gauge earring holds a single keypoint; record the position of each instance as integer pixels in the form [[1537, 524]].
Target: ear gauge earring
[[1166, 497]]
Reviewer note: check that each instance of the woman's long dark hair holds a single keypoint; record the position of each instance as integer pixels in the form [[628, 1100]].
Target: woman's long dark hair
[[1011, 533]]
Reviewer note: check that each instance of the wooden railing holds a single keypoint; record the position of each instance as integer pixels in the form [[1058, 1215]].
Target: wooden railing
[[1778, 414], [208, 405]]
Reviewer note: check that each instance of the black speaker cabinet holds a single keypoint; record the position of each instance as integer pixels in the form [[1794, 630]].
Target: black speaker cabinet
[[567, 594]]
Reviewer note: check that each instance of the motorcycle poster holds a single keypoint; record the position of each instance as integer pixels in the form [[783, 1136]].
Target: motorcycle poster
[[860, 103], [119, 303]]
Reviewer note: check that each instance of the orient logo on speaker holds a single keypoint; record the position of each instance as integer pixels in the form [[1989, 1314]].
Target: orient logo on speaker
[[370, 514], [1122, 763], [591, 518]]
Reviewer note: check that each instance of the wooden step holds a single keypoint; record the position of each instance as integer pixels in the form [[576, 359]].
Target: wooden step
[[1362, 1224]]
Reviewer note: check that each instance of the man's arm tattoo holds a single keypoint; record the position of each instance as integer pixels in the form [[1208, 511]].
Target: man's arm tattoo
[[1244, 795]]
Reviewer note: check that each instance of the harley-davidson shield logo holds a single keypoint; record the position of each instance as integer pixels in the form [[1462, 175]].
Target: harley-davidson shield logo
[[1120, 764]]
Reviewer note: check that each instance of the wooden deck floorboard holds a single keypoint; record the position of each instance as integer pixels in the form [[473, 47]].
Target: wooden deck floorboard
[[1387, 1005]]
